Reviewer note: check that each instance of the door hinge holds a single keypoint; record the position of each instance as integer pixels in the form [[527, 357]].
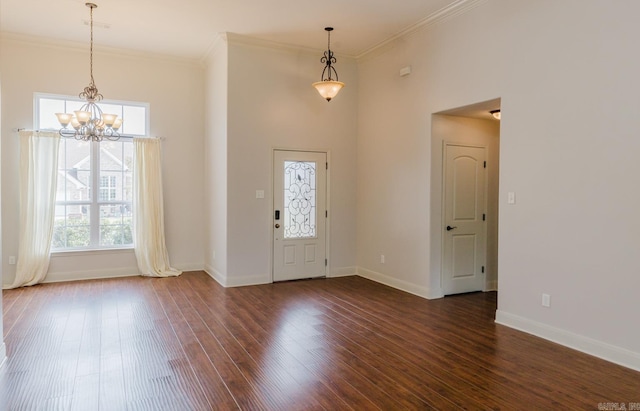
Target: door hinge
[[326, 214], [325, 262], [484, 217], [483, 268], [485, 164], [326, 166]]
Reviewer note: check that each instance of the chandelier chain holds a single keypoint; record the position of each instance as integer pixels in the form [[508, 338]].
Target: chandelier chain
[[91, 46]]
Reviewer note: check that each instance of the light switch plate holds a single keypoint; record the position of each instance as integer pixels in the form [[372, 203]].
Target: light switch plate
[[259, 193], [511, 197]]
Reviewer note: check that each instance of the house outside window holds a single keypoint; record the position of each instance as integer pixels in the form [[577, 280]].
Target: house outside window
[[95, 182]]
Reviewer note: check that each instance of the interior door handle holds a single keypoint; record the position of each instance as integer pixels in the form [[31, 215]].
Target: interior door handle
[[449, 228], [277, 225]]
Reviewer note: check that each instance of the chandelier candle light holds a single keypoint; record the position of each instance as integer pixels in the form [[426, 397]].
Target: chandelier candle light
[[327, 86], [90, 123]]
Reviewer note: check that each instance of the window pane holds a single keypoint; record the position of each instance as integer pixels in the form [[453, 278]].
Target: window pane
[[111, 109], [74, 171], [134, 120], [111, 155], [115, 225], [47, 117], [299, 199], [59, 228], [72, 226], [127, 187]]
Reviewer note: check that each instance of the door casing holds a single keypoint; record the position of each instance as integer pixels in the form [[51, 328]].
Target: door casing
[[327, 218]]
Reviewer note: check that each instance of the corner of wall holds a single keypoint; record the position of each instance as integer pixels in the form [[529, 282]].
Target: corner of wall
[[342, 272], [216, 275], [401, 285]]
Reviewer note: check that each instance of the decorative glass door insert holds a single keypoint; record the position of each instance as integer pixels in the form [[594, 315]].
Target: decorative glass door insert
[[299, 199]]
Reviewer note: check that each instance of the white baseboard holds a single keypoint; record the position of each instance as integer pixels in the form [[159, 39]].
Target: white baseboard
[[58, 277], [226, 281], [91, 274], [343, 272], [587, 345], [491, 286], [189, 267], [216, 275], [3, 354], [248, 280], [411, 288]]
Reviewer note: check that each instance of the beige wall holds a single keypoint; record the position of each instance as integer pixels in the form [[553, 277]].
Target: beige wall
[[566, 74], [271, 104], [174, 90]]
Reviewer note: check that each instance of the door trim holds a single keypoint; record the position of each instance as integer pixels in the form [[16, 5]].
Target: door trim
[[443, 213], [327, 268]]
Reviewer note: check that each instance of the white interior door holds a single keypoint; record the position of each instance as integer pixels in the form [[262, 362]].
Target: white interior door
[[464, 219], [299, 218]]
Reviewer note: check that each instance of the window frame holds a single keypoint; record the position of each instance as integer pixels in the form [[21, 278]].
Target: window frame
[[95, 202]]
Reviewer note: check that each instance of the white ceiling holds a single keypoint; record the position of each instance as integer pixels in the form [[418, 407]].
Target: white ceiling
[[186, 28]]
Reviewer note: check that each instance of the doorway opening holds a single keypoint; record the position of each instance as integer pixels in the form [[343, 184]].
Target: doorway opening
[[465, 144]]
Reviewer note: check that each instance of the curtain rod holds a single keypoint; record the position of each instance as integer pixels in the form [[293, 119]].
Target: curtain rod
[[121, 136]]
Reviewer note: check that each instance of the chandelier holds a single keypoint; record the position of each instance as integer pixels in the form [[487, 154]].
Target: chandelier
[[90, 123], [327, 86]]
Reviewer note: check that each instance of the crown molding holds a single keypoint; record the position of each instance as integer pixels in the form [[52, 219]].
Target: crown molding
[[456, 8], [212, 49], [241, 39], [83, 47]]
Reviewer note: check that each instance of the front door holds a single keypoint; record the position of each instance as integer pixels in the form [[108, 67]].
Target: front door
[[464, 219], [299, 214]]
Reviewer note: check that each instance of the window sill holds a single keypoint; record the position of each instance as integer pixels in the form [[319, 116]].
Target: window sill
[[92, 251]]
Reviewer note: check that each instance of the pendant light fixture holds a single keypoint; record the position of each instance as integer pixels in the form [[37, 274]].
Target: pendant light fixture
[[495, 114], [328, 87], [90, 123]]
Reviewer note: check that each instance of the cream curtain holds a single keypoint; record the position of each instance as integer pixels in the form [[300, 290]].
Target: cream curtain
[[38, 180], [148, 212]]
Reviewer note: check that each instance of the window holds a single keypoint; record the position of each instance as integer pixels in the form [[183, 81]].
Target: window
[[95, 180], [107, 188]]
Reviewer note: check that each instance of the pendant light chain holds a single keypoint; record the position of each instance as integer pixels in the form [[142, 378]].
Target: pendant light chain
[[90, 92], [91, 46]]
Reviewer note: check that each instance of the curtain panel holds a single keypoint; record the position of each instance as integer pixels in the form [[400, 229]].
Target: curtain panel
[[38, 181], [148, 212]]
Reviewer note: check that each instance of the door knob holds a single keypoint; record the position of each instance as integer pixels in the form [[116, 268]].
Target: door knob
[[277, 225], [449, 228]]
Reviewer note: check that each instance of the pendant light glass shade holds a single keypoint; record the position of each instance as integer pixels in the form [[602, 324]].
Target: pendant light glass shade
[[328, 88]]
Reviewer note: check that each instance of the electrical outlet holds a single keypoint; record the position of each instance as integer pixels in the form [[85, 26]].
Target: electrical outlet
[[12, 260], [381, 258], [546, 300]]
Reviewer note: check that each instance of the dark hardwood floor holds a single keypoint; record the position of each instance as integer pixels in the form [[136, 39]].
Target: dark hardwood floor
[[186, 343]]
